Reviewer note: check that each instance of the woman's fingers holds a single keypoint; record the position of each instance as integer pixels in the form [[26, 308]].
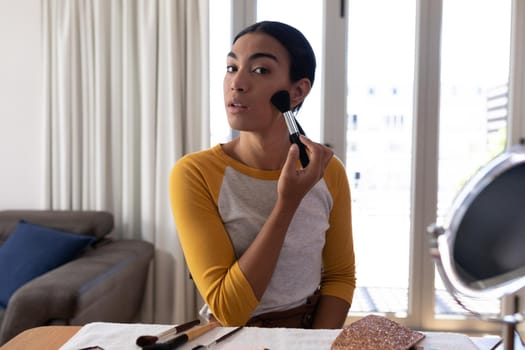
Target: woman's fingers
[[319, 155], [295, 182], [291, 160]]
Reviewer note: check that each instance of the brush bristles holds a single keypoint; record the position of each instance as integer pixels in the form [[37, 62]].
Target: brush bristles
[[281, 100]]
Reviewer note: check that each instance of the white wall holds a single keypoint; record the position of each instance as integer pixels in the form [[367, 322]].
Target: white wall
[[21, 118]]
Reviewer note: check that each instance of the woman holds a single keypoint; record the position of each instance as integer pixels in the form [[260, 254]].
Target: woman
[[267, 242]]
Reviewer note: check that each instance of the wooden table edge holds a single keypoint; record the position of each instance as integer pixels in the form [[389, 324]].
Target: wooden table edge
[[41, 338]]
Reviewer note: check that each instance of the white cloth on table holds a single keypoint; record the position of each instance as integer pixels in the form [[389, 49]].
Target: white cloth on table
[[120, 336]]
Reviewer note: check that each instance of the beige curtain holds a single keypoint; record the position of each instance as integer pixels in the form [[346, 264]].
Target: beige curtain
[[125, 97]]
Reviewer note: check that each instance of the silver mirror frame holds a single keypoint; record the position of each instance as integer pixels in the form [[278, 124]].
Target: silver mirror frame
[[442, 238], [442, 241]]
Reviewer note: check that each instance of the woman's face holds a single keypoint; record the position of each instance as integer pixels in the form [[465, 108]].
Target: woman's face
[[257, 67]]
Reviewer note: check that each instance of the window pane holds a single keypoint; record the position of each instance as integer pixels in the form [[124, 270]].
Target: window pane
[[379, 149], [475, 52], [220, 42], [308, 19]]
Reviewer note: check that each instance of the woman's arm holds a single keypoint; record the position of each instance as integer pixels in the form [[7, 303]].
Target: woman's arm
[[331, 312], [194, 186], [338, 278]]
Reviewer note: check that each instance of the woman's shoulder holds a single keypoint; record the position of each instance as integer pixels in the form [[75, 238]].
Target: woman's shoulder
[[335, 173], [336, 166], [203, 157], [200, 163]]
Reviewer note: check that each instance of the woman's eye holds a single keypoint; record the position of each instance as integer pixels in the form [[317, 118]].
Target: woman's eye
[[230, 69], [260, 70]]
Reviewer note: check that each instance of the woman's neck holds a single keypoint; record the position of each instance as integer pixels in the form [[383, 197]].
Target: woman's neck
[[265, 153]]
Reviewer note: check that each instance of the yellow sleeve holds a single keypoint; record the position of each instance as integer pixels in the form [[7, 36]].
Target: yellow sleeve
[[194, 189], [338, 277]]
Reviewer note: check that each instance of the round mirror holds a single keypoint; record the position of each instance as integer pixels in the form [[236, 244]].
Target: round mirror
[[480, 251], [484, 239]]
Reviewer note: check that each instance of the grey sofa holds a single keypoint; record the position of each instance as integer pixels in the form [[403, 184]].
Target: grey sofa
[[104, 283]]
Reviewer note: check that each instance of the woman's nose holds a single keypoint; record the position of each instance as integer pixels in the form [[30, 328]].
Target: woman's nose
[[238, 81]]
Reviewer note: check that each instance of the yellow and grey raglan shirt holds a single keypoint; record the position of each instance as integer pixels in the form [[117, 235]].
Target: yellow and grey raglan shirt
[[219, 206]]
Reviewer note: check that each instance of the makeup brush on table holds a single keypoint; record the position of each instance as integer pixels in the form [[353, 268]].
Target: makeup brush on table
[[218, 340], [281, 100], [144, 340], [183, 338]]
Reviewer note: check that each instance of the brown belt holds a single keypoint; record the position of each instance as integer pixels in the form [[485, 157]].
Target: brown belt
[[298, 317]]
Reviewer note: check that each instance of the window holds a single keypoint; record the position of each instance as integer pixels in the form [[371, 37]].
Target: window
[[404, 92], [473, 107], [379, 149]]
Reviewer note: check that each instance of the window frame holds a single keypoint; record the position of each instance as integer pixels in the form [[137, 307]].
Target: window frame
[[425, 133]]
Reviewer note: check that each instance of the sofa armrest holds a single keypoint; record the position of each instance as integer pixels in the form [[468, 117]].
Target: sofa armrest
[[82, 290]]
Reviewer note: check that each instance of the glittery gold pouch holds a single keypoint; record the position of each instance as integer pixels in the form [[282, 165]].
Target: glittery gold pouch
[[376, 332]]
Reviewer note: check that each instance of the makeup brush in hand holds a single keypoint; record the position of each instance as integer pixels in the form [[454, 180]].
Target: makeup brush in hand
[[281, 100]]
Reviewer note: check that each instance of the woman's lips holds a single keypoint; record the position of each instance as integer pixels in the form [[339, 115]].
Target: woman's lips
[[236, 107]]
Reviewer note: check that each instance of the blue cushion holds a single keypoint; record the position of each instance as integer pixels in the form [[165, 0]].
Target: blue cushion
[[32, 250]]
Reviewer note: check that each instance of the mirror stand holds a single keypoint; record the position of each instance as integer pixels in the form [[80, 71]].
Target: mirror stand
[[511, 337]]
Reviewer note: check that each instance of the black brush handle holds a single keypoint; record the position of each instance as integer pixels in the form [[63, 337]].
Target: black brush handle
[[169, 345], [303, 156]]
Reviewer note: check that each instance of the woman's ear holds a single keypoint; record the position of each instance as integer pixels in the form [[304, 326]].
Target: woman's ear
[[299, 91]]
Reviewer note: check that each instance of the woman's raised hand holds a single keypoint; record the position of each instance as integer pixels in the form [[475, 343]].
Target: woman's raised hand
[[294, 181]]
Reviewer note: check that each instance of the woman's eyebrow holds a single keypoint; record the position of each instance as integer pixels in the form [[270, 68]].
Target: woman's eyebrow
[[255, 56], [263, 54]]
